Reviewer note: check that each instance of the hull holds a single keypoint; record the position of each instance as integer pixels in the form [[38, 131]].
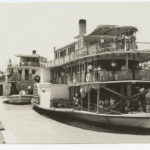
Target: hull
[[140, 120], [20, 99]]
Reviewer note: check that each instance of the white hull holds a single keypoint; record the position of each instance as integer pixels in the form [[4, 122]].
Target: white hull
[[20, 99], [141, 120]]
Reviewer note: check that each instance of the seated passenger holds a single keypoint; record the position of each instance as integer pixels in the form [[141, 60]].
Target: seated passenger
[[106, 103], [112, 102], [123, 68], [101, 104], [127, 107], [76, 100], [89, 73]]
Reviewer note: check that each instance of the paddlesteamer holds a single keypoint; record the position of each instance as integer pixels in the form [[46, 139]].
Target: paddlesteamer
[[101, 77]]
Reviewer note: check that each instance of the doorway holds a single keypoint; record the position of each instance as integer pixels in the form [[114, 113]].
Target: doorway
[[26, 74]]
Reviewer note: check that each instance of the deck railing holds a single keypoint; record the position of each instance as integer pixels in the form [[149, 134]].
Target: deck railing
[[104, 76], [30, 64], [85, 51]]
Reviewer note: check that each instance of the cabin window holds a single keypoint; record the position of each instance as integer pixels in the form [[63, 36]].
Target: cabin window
[[28, 59], [56, 54], [64, 53], [33, 71], [68, 50], [80, 67]]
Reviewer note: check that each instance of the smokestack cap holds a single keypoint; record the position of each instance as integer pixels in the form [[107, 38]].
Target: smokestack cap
[[34, 52], [82, 21], [82, 26]]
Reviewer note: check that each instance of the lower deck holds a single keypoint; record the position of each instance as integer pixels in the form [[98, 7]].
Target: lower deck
[[112, 98]]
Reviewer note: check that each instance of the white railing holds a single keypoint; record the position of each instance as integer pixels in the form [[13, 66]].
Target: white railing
[[88, 50]]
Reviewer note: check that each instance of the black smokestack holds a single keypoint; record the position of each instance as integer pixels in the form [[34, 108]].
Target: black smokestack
[[82, 26]]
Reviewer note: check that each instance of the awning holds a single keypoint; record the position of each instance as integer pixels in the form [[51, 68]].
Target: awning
[[113, 30]]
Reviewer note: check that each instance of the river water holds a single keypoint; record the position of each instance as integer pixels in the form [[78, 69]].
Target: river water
[[24, 125]]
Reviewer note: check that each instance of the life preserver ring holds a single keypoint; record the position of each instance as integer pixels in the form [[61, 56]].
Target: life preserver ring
[[37, 78]]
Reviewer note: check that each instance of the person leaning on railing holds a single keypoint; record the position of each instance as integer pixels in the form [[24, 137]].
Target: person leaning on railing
[[89, 75]]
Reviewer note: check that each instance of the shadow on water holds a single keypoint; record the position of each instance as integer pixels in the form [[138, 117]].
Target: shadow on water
[[87, 125]]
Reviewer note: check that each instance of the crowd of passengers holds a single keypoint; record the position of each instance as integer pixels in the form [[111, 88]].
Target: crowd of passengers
[[124, 106], [121, 41], [107, 105]]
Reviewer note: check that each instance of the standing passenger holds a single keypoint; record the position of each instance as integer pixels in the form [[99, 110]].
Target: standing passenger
[[99, 73], [102, 41], [148, 107], [133, 42], [122, 42], [116, 40]]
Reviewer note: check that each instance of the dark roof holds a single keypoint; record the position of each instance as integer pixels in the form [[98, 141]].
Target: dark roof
[[113, 30], [68, 45], [31, 56]]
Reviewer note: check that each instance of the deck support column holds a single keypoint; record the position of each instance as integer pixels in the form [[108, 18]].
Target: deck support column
[[73, 93], [122, 89], [127, 58], [98, 97], [85, 67], [89, 97], [81, 102], [129, 90]]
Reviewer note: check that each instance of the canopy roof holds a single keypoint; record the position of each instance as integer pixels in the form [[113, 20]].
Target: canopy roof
[[113, 30], [31, 56], [92, 38]]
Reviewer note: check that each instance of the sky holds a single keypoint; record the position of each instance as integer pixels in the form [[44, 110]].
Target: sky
[[41, 26]]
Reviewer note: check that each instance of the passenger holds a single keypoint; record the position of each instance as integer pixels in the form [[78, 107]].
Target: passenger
[[106, 103], [101, 104], [116, 40], [102, 42], [99, 73], [128, 42], [29, 90], [133, 42], [112, 102], [123, 42], [140, 109], [127, 107], [76, 100], [123, 68], [148, 107]]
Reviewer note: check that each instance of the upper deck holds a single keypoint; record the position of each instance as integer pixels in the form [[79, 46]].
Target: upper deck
[[104, 39], [109, 53]]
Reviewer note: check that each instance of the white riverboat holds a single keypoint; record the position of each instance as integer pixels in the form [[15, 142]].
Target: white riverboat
[[102, 77]]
